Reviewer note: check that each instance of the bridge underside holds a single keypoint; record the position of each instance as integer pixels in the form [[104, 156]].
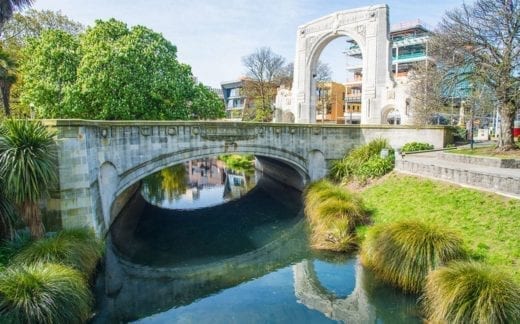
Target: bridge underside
[[101, 161]]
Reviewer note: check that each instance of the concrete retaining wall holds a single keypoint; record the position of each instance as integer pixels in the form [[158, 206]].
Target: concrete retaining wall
[[480, 160], [508, 185]]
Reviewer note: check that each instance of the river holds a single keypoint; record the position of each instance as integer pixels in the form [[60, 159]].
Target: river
[[215, 245]]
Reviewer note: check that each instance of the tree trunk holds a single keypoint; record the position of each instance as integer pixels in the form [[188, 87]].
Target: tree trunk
[[31, 215], [506, 141], [5, 88]]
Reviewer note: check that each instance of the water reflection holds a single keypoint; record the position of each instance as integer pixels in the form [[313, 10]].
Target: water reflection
[[198, 184]]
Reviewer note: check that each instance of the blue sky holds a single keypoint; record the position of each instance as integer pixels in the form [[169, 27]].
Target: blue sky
[[213, 36]]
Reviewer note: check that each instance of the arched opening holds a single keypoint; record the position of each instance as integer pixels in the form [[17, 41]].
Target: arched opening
[[391, 116], [207, 209], [337, 77]]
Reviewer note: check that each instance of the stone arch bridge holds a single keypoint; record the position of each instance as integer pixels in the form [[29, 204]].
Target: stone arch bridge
[[100, 162]]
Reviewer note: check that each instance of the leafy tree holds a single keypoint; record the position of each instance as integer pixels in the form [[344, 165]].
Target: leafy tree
[[8, 7], [27, 168], [484, 39], [32, 23], [16, 33], [112, 72], [206, 104], [49, 71], [7, 78]]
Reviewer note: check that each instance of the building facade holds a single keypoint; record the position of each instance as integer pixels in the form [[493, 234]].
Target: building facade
[[234, 98], [409, 47]]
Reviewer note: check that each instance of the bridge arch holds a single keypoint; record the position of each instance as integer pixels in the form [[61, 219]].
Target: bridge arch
[[114, 185], [368, 26]]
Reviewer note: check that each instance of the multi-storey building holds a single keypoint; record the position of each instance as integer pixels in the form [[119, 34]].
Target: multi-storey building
[[409, 46], [234, 98], [330, 103]]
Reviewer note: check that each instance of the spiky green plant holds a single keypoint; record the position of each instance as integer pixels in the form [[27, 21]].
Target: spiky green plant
[[77, 248], [333, 215], [403, 253], [44, 293], [27, 167], [471, 292]]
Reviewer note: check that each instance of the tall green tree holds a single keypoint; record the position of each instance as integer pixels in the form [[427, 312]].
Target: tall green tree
[[7, 79], [112, 72], [27, 168], [8, 7], [206, 104], [484, 39], [49, 72]]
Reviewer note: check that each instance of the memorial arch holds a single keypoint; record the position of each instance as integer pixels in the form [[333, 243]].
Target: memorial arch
[[368, 27]]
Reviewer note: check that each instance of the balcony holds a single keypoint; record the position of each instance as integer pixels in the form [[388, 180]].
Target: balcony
[[353, 98]]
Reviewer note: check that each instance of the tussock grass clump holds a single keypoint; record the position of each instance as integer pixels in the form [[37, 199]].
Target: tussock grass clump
[[78, 248], [471, 292], [333, 214], [403, 253], [44, 293]]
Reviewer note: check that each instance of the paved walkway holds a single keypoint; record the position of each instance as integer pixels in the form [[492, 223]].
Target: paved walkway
[[504, 181]]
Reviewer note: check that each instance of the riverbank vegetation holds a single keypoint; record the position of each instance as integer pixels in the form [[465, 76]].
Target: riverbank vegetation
[[487, 224], [471, 292], [48, 280], [402, 253], [333, 215], [363, 163]]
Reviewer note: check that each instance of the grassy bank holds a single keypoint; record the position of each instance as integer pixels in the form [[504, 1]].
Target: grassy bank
[[487, 223], [489, 151]]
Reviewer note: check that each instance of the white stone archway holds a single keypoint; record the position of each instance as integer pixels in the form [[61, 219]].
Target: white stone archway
[[367, 26]]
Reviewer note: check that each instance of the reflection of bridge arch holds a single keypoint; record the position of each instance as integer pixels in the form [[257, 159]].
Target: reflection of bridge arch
[[355, 308]]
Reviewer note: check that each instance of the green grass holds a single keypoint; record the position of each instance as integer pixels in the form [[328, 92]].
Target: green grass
[[78, 248], [471, 292], [489, 151], [44, 293], [333, 214], [488, 224], [403, 252]]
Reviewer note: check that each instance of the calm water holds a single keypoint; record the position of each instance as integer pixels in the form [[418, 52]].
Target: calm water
[[240, 261]]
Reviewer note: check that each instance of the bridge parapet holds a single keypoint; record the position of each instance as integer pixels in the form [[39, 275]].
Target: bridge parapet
[[99, 160]]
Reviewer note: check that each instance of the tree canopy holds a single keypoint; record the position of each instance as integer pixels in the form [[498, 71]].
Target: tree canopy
[[112, 72], [483, 40]]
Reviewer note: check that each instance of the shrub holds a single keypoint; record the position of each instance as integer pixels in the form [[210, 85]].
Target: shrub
[[9, 248], [363, 162], [471, 292], [375, 167], [403, 253], [78, 248], [44, 293], [416, 146], [333, 214]]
